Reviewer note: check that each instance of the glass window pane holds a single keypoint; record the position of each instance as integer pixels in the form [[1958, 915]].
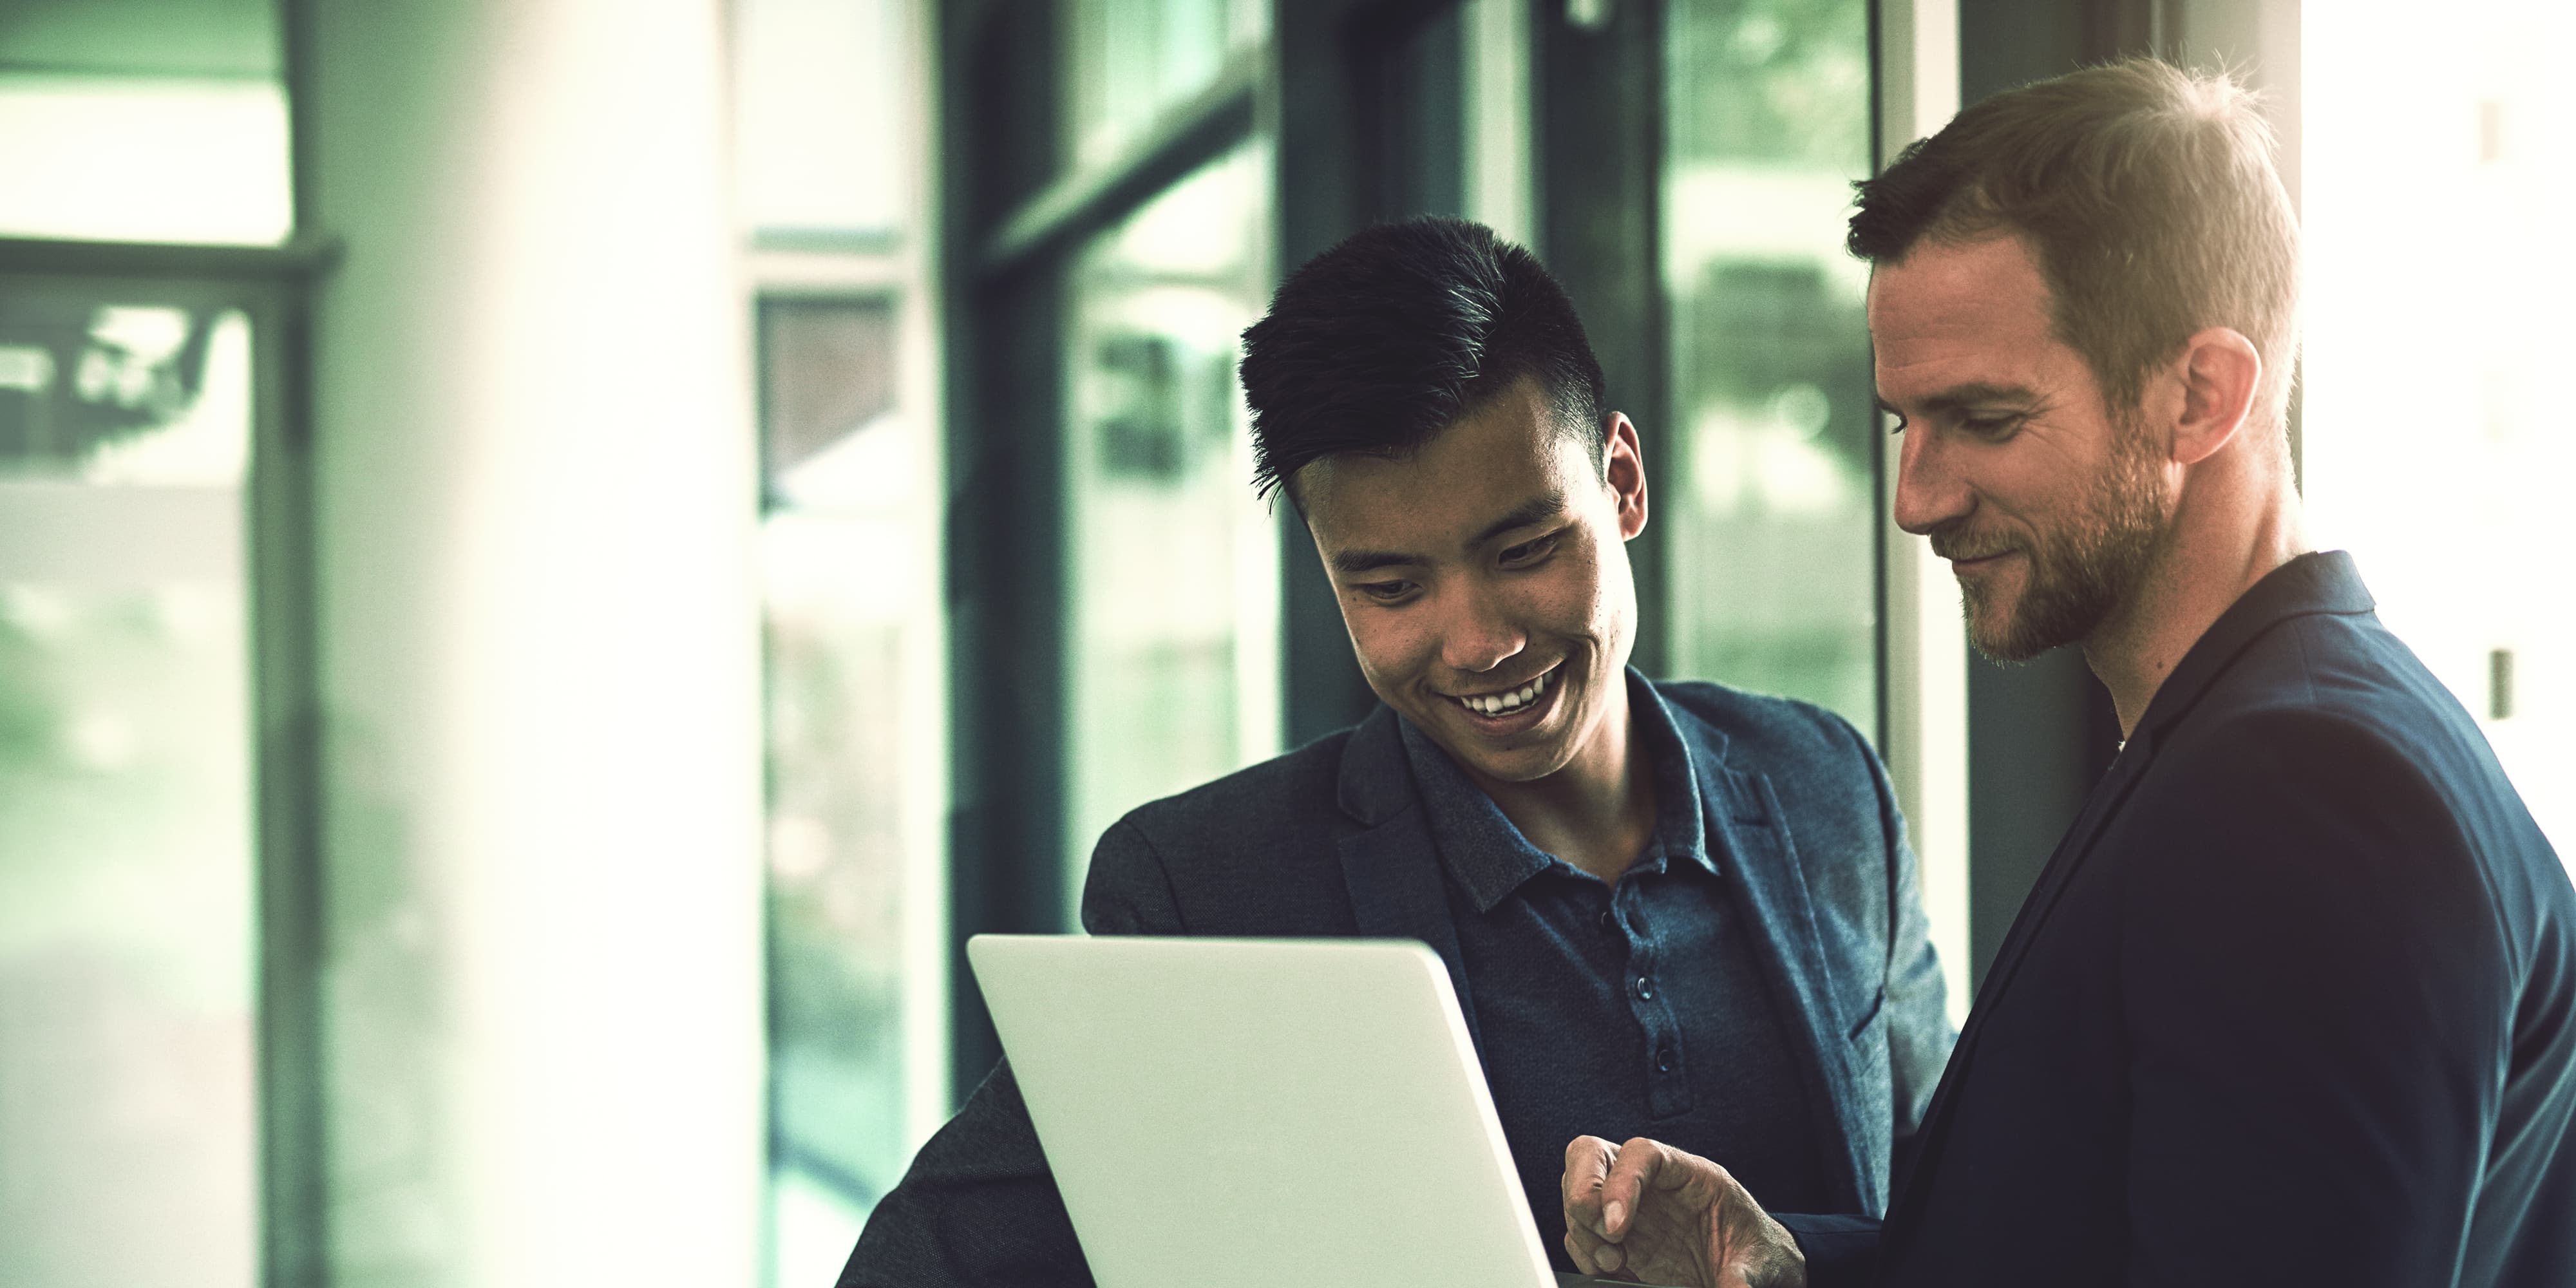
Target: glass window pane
[[1172, 571], [127, 1092], [143, 120], [2434, 438], [856, 718], [1130, 60], [821, 94], [1766, 488]]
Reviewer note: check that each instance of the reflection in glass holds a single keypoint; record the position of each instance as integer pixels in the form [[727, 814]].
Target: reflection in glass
[[1133, 59], [1766, 484], [854, 729], [127, 1095], [2434, 436], [1172, 564]]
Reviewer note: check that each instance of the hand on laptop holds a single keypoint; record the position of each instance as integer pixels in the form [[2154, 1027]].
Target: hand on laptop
[[1648, 1212]]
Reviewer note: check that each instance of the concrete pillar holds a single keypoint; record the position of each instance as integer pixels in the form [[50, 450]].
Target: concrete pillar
[[540, 662]]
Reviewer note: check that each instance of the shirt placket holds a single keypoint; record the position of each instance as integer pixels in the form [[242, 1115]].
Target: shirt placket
[[1668, 1091]]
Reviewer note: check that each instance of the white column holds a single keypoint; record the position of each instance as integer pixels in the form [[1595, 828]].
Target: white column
[[539, 644], [1927, 653]]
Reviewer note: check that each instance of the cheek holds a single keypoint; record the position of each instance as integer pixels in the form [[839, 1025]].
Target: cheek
[[1388, 644], [1582, 597]]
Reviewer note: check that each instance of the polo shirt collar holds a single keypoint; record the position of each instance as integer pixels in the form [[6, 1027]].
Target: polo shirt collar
[[1487, 855]]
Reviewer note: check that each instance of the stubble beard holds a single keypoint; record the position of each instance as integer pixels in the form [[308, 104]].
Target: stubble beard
[[2081, 572]]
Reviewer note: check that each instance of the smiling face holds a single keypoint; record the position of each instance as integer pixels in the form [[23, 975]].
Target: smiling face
[[2048, 506], [1485, 583]]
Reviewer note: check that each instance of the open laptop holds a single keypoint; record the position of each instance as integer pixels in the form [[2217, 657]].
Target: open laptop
[[1262, 1113]]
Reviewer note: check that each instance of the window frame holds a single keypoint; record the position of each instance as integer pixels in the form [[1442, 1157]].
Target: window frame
[[272, 286]]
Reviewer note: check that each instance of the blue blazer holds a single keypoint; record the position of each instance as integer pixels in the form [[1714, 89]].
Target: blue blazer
[[1331, 840], [2293, 1003]]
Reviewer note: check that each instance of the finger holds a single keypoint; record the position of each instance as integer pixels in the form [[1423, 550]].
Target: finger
[[1633, 1170], [1587, 1160], [1584, 1247]]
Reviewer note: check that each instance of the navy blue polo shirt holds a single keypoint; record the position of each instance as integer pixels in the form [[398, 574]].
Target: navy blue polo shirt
[[1634, 1009]]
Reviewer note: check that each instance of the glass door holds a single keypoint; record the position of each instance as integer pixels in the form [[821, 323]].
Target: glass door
[[129, 1074]]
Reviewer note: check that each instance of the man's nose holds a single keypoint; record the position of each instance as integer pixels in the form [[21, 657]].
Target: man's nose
[[1477, 634], [1929, 493]]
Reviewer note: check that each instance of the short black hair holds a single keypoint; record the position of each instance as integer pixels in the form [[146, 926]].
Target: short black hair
[[1376, 345]]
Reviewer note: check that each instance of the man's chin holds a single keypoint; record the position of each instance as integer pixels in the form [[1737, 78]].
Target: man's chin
[[1999, 635], [1518, 764]]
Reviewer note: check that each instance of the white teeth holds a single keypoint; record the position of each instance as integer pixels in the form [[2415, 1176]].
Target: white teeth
[[1512, 701]]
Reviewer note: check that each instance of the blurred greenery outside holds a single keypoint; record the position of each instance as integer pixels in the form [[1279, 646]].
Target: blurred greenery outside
[[127, 1098], [1768, 494]]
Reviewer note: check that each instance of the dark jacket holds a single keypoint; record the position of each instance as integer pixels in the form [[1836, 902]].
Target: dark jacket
[[2290, 1005], [1330, 840]]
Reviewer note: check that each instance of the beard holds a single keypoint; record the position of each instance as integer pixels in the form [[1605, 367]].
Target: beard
[[2077, 572]]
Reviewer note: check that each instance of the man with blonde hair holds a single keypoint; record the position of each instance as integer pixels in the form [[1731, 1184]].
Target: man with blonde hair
[[2295, 999]]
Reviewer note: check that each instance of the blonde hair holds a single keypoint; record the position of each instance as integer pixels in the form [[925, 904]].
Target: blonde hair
[[2149, 197]]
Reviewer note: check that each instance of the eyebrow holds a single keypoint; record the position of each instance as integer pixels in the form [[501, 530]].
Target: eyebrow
[[1968, 395], [1534, 510]]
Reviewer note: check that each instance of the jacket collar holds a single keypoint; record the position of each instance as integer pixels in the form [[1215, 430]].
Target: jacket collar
[[2322, 582], [1375, 783], [1489, 857], [1399, 890]]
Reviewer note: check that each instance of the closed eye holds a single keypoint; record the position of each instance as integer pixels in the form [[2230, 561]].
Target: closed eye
[[1384, 592]]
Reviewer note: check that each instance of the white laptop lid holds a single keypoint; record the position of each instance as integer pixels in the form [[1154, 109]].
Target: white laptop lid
[[1261, 1113]]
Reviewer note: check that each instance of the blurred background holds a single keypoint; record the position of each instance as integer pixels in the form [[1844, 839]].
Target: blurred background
[[558, 556]]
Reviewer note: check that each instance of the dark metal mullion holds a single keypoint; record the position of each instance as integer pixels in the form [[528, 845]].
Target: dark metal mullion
[[296, 261], [294, 1123], [289, 861], [1602, 140], [1003, 520], [1093, 198], [1882, 643]]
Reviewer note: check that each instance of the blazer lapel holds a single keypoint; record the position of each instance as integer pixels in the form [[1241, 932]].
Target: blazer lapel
[[1746, 829], [2072, 849], [1392, 865], [2313, 583]]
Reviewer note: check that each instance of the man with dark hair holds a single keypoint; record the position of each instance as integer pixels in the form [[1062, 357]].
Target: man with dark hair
[[2295, 1000], [1667, 907]]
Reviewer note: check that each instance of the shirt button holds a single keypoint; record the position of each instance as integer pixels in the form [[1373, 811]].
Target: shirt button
[[1609, 921], [1664, 1060], [1645, 989]]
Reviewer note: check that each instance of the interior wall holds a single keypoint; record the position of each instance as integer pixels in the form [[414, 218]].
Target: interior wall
[[539, 660]]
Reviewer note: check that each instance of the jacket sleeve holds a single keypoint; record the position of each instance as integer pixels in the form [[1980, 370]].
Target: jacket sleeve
[[1919, 1036], [1841, 1251], [2317, 999], [979, 1205]]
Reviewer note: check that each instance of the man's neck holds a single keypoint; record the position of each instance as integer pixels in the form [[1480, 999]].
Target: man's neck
[[2211, 557], [1599, 810]]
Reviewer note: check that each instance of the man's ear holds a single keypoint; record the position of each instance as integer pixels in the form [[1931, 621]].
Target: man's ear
[[1623, 468], [2220, 373]]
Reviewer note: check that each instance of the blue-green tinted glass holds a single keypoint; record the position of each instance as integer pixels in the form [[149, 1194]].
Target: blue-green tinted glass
[[1172, 565], [824, 108], [127, 1145], [1766, 490], [855, 717], [1130, 61], [143, 120]]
